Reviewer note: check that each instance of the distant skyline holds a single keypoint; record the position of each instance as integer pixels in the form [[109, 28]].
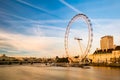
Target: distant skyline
[[37, 27]]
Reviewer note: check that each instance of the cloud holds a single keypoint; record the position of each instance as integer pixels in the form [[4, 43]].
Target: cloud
[[13, 15], [70, 6], [39, 8], [43, 30], [106, 26], [18, 43], [26, 3], [102, 27], [42, 45], [39, 21]]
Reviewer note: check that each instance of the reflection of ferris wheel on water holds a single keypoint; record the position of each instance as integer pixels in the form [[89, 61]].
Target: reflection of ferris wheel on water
[[89, 37]]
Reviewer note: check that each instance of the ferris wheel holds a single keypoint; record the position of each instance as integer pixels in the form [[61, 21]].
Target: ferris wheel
[[90, 35]]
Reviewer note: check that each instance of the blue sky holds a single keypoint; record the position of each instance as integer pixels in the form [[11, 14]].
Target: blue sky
[[37, 27]]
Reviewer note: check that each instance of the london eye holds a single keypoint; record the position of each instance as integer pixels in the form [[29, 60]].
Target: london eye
[[89, 35]]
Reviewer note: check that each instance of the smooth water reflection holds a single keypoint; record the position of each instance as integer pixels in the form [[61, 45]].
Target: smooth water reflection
[[36, 72]]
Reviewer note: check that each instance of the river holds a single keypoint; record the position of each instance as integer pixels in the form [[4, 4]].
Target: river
[[36, 72]]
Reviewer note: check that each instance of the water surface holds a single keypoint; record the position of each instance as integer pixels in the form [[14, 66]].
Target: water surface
[[36, 72]]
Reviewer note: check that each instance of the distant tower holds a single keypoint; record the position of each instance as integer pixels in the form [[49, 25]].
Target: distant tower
[[106, 42]]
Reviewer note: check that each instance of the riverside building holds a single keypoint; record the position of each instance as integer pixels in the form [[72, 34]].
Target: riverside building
[[108, 51]]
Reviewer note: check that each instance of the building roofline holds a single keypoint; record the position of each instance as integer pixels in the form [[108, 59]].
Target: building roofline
[[107, 36]]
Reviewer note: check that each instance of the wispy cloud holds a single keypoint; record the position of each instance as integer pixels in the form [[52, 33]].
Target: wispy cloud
[[51, 27], [39, 8], [13, 15], [70, 6], [50, 30], [38, 21], [33, 6], [35, 44], [35, 25], [21, 19], [52, 46], [102, 27]]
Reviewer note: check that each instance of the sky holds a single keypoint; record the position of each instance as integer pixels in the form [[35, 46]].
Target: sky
[[37, 27]]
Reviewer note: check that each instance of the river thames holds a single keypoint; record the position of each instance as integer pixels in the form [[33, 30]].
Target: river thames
[[37, 72]]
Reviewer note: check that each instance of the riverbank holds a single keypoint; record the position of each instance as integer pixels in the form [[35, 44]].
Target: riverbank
[[63, 64], [106, 64]]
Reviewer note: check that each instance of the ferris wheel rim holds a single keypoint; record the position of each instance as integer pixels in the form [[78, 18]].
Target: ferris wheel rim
[[90, 31]]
